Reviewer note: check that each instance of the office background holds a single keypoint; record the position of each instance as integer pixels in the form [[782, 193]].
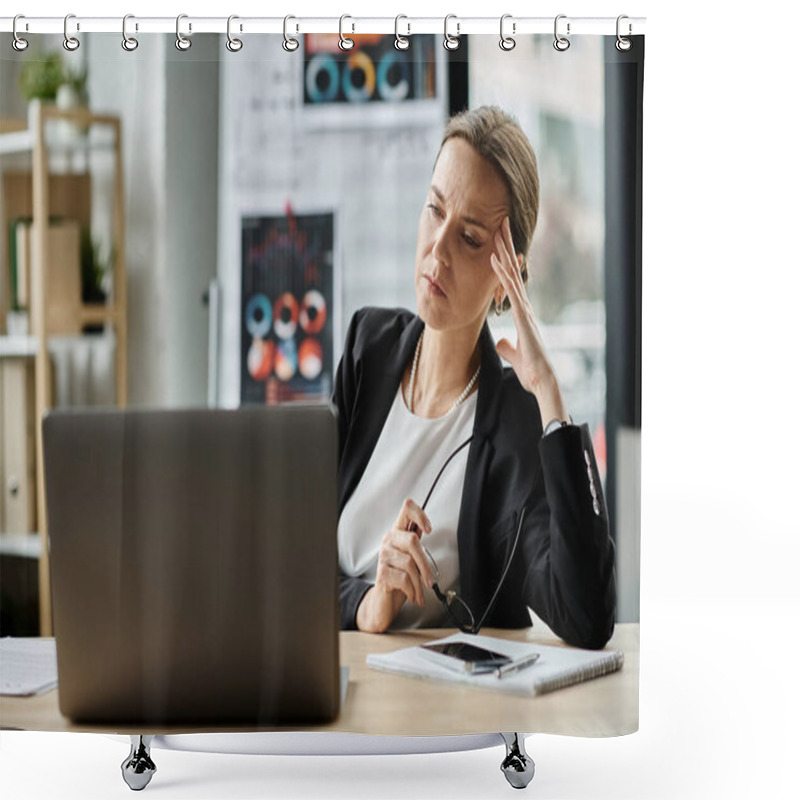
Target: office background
[[719, 291]]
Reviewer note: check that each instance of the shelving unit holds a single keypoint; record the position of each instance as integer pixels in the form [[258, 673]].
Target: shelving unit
[[112, 313]]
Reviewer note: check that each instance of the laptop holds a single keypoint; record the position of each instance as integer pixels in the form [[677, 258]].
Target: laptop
[[193, 563]]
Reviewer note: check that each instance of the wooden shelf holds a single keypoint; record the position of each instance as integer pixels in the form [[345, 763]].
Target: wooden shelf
[[11, 125], [98, 314], [14, 139], [40, 193]]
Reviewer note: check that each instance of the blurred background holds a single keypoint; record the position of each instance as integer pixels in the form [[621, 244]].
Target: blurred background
[[215, 218]]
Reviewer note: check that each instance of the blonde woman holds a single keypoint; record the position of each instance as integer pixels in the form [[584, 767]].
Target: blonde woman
[[466, 494]]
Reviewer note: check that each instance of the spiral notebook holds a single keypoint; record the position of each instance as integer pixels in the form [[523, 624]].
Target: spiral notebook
[[556, 667]]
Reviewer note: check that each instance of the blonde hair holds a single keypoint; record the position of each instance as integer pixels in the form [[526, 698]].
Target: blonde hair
[[497, 136]]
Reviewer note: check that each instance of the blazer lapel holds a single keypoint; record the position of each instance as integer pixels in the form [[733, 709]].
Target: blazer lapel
[[481, 452], [383, 371]]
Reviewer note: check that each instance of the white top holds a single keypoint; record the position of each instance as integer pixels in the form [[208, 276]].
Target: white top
[[407, 457]]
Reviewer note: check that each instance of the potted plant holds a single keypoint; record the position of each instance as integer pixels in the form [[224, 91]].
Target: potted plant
[[48, 81], [39, 80], [72, 91], [72, 94]]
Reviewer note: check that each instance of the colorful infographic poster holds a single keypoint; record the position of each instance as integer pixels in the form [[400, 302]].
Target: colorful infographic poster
[[373, 71], [287, 308]]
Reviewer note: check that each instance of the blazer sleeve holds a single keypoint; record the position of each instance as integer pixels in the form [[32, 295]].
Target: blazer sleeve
[[351, 590], [568, 549]]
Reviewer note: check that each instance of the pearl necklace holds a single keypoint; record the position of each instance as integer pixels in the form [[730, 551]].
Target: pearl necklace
[[459, 400]]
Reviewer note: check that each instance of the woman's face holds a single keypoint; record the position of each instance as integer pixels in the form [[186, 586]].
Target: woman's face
[[466, 203]]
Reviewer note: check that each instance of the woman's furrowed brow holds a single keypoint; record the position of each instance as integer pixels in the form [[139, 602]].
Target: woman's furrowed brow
[[472, 220]]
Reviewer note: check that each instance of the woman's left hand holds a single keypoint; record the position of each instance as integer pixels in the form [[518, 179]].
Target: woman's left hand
[[529, 358]]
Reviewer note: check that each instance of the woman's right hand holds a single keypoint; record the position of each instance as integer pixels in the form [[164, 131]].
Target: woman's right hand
[[402, 570]]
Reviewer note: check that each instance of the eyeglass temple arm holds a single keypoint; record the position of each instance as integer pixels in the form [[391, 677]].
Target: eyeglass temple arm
[[503, 576], [450, 458]]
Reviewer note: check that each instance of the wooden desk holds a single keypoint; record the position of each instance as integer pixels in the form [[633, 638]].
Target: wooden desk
[[379, 703]]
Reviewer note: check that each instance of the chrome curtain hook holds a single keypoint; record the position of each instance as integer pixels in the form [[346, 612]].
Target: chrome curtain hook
[[507, 42], [401, 42], [452, 42], [233, 44], [128, 42], [345, 43], [561, 43], [19, 44], [70, 42], [623, 44], [181, 42], [289, 44]]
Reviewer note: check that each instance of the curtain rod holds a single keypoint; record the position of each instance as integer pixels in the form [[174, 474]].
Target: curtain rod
[[513, 26]]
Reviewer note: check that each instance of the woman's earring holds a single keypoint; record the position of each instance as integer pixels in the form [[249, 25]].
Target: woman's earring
[[498, 307]]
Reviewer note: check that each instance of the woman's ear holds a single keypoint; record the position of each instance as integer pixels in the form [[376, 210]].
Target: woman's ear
[[499, 295]]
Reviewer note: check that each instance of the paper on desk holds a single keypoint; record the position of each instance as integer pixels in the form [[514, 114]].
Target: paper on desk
[[344, 679], [555, 668], [27, 666]]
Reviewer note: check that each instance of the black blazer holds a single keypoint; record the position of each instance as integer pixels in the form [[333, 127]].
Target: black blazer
[[563, 567]]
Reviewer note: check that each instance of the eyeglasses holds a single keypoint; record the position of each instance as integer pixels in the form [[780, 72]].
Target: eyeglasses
[[456, 606], [458, 610]]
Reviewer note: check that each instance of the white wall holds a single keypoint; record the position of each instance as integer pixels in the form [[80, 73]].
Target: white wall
[[168, 102], [134, 87]]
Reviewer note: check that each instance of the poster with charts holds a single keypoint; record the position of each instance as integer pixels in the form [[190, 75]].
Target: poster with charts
[[372, 71], [287, 308], [372, 85]]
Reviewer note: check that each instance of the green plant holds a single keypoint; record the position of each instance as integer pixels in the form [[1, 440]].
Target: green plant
[[93, 268], [40, 79], [77, 79]]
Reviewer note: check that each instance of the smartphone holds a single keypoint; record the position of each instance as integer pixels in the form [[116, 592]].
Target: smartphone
[[464, 657]]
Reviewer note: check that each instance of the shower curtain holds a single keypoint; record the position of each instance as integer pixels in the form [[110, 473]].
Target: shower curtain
[[272, 192]]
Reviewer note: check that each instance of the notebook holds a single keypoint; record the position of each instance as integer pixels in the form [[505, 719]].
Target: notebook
[[556, 667], [27, 666]]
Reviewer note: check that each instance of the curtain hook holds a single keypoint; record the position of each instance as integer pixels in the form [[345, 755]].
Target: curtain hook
[[290, 44], [128, 42], [19, 44], [70, 42], [507, 42], [401, 42], [623, 44], [181, 42], [345, 43], [233, 44], [561, 43], [451, 42]]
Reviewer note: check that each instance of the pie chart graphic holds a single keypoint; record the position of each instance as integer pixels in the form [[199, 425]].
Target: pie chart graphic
[[313, 312], [310, 359], [286, 313], [286, 360], [259, 359], [258, 316]]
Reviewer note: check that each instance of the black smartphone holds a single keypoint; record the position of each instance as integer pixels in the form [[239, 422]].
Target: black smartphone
[[464, 657]]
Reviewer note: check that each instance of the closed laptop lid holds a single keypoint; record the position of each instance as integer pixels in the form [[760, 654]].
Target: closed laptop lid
[[194, 565]]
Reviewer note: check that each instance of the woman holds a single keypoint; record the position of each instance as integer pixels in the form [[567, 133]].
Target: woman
[[458, 478]]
